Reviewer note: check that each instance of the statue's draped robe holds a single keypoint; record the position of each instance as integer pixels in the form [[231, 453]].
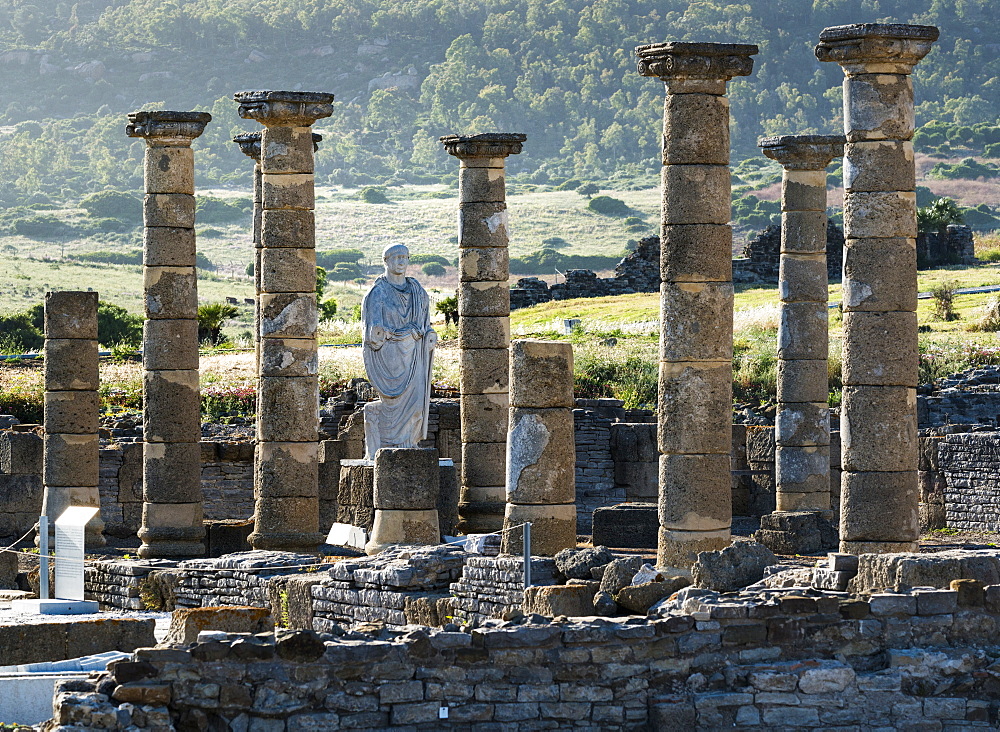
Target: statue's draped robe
[[400, 370]]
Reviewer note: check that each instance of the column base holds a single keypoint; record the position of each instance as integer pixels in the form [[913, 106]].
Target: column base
[[171, 542], [401, 526], [481, 509], [678, 550], [878, 547], [553, 528]]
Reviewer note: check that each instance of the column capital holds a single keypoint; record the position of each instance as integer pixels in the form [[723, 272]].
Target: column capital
[[486, 145], [803, 152], [167, 128], [284, 108], [249, 143], [679, 61], [876, 48]]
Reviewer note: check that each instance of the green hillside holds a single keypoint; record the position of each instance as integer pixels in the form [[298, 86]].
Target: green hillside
[[406, 72]]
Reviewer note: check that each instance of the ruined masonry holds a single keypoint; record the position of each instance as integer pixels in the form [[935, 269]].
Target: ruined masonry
[[540, 449], [172, 510], [802, 424], [696, 305], [71, 448], [879, 494], [286, 468], [484, 322], [407, 483]]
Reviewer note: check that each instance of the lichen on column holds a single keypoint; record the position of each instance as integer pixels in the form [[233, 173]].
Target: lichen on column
[[172, 511], [696, 296], [483, 322], [286, 459], [878, 421]]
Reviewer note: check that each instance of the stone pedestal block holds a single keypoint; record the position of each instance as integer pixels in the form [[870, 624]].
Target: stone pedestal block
[[406, 479], [394, 527]]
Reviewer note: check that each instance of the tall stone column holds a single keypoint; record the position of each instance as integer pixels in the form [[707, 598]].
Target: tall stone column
[[696, 296], [249, 143], [70, 469], [541, 452], [286, 466], [483, 323], [878, 422], [172, 510], [802, 427]]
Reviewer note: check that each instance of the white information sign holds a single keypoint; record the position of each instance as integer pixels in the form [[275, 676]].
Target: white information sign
[[347, 535], [69, 551]]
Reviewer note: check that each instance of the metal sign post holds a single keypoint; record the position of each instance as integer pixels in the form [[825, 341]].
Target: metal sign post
[[527, 555]]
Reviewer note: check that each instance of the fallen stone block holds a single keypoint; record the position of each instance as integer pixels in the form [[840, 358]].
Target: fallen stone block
[[577, 563], [740, 564], [554, 600], [627, 525], [185, 624], [639, 598]]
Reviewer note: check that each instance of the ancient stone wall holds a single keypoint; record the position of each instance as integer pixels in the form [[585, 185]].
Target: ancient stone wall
[[970, 464], [792, 662], [762, 256]]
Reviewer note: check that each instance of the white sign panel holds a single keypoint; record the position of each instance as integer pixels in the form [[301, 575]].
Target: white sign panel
[[347, 535], [69, 551]]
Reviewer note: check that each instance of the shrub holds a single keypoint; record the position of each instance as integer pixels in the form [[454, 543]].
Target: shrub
[[20, 334], [373, 194], [448, 307], [114, 205], [555, 242], [943, 295], [588, 189], [425, 258], [603, 372], [117, 326], [222, 399], [937, 216], [343, 272], [211, 317], [327, 309], [43, 226], [989, 319], [129, 256], [203, 262], [968, 169], [332, 257], [212, 210], [568, 185], [433, 269]]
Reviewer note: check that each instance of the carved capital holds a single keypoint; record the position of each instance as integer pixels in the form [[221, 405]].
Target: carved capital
[[876, 48], [487, 145], [674, 61], [284, 108], [803, 152], [249, 143], [167, 128]]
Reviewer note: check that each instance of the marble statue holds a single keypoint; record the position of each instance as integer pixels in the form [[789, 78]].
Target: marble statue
[[398, 352]]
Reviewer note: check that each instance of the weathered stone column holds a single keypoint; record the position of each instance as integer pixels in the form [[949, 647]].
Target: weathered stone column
[[70, 471], [172, 510], [541, 453], [249, 143], [483, 323], [802, 427], [286, 460], [879, 495], [696, 296]]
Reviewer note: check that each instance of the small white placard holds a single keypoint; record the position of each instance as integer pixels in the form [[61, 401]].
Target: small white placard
[[70, 550], [347, 535]]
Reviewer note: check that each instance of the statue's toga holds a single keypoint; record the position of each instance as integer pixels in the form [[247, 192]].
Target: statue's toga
[[398, 351]]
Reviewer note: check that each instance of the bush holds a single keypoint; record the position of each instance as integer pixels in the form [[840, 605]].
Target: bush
[[43, 226], [448, 307], [546, 260], [938, 215], [343, 272], [212, 210], [609, 206], [117, 326], [433, 269], [588, 189], [224, 399], [20, 334], [555, 242], [332, 257], [129, 256], [114, 205], [327, 309], [425, 258], [601, 372], [373, 194], [968, 169], [943, 295], [211, 317]]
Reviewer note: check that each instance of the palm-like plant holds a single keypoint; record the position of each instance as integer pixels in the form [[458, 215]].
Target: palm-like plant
[[211, 316]]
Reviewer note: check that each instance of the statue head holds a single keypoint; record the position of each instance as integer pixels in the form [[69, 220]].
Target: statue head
[[396, 258]]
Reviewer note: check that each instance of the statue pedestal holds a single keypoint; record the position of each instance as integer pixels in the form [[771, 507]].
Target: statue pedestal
[[406, 492], [355, 493]]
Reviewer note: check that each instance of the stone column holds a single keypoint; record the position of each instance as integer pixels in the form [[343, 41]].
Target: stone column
[[286, 477], [696, 296], [483, 323], [802, 427], [406, 488], [249, 143], [879, 494], [71, 449], [541, 453], [172, 510]]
